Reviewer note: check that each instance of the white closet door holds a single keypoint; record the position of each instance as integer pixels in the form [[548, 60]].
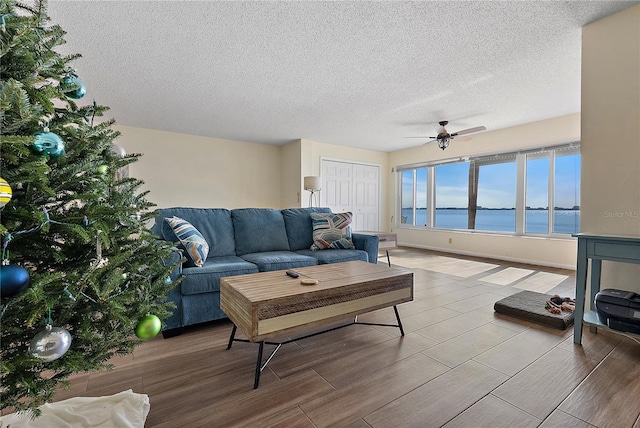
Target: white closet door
[[365, 202], [336, 186], [352, 187]]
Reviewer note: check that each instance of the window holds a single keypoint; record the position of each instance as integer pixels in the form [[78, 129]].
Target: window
[[566, 211], [496, 194], [507, 193], [452, 195], [537, 193], [421, 197], [407, 197], [414, 197]]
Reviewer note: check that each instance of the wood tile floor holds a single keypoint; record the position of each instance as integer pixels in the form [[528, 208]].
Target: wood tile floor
[[459, 365]]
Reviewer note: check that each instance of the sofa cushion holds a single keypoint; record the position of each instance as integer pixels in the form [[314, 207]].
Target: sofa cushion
[[213, 223], [259, 229], [297, 222], [207, 278], [194, 244], [279, 260], [331, 231], [335, 256]]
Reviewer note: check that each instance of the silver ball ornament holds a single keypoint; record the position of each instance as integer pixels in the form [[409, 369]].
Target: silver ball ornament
[[51, 343], [118, 150]]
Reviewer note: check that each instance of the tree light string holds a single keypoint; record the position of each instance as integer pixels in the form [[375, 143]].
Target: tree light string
[[8, 237]]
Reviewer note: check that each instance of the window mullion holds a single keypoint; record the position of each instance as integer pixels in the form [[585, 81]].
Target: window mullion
[[521, 183], [431, 198], [552, 185], [415, 194]]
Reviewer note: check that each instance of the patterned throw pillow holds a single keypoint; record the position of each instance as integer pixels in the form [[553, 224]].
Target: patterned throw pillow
[[196, 247], [331, 230]]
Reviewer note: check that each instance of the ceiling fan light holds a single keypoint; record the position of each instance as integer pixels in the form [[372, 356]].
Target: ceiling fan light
[[443, 143]]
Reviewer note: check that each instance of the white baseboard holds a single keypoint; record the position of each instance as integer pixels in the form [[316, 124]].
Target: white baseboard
[[489, 256]]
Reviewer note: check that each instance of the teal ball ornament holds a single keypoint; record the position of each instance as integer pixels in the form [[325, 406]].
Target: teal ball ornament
[[49, 143], [148, 327], [13, 280], [50, 344], [73, 86]]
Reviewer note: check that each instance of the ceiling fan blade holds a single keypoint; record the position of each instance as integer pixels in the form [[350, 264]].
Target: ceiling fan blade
[[421, 137], [469, 131]]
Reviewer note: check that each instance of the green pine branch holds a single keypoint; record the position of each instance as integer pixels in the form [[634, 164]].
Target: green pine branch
[[60, 208]]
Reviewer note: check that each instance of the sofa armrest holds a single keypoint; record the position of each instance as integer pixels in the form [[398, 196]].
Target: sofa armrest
[[368, 243], [176, 256], [175, 296]]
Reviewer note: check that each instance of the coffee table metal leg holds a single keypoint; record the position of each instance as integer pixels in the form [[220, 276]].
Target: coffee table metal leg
[[260, 366], [233, 335], [256, 380], [395, 309]]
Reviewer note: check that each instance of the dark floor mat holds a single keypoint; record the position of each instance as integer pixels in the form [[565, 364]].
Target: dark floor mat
[[530, 306]]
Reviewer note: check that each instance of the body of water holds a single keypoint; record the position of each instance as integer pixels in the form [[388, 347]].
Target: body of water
[[536, 221]]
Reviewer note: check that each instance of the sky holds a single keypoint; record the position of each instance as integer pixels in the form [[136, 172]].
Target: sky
[[497, 184]]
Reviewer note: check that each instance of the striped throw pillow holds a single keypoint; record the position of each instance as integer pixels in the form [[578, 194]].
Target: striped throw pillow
[[195, 246], [331, 230]]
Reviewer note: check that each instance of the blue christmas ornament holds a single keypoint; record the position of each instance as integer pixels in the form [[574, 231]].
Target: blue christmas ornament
[[13, 279], [48, 143], [73, 86]]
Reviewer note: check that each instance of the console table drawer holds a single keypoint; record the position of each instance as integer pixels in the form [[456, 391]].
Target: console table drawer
[[386, 240], [615, 250]]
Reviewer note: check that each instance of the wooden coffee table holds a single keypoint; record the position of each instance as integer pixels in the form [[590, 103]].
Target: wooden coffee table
[[266, 305]]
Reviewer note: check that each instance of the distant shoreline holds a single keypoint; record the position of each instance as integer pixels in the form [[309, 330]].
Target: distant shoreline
[[499, 209]]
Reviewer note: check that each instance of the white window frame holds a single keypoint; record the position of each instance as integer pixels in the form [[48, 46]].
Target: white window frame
[[520, 203]]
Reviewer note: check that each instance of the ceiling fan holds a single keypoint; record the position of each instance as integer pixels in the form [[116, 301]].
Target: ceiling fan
[[443, 138]]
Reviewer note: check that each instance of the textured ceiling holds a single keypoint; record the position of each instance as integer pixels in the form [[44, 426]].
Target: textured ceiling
[[360, 74]]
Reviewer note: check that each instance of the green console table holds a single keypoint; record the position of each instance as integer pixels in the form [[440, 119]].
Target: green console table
[[597, 248]]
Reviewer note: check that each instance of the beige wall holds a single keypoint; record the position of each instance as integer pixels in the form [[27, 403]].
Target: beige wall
[[292, 178], [187, 170], [610, 149], [543, 251]]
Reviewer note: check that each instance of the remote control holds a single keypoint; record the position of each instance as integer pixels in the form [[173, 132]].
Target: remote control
[[292, 274]]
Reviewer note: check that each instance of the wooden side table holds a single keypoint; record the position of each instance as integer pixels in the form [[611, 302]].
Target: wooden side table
[[386, 241], [625, 249]]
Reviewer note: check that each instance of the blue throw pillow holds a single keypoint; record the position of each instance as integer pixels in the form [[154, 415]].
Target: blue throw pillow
[[331, 230], [195, 246]]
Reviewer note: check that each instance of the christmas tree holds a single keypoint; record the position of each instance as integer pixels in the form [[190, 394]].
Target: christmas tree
[[82, 277]]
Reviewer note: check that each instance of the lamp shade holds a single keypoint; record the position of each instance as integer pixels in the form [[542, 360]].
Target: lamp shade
[[312, 182]]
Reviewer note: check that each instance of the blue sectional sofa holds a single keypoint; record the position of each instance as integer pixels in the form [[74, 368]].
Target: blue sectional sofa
[[242, 241]]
